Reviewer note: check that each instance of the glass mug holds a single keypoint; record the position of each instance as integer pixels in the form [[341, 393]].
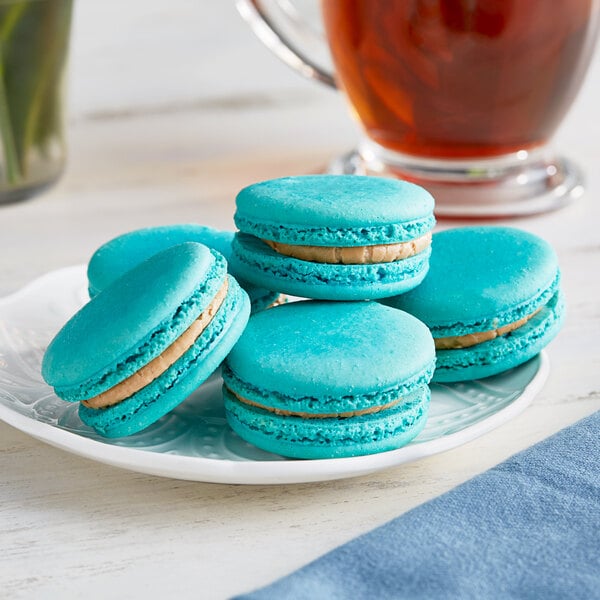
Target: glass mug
[[460, 96]]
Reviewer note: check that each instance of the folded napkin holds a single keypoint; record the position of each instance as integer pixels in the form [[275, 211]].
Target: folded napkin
[[528, 528]]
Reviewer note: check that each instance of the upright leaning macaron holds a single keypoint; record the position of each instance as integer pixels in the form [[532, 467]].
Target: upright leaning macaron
[[334, 237], [142, 345], [119, 255], [329, 379], [491, 299]]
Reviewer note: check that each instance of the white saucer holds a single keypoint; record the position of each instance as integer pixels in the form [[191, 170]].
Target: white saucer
[[194, 441]]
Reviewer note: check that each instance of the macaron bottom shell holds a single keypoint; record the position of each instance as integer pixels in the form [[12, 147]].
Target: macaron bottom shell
[[174, 385], [504, 352], [321, 438], [266, 268]]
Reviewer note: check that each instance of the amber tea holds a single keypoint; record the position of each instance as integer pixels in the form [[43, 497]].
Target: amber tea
[[459, 78]]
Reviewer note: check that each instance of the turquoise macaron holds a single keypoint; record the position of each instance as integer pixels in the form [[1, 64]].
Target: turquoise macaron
[[334, 237], [124, 252], [148, 340], [491, 299], [318, 379]]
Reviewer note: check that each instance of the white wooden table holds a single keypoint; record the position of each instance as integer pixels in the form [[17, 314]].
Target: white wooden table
[[73, 528]]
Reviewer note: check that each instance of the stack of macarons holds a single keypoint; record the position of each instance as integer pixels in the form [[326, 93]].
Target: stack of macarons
[[331, 379], [344, 372]]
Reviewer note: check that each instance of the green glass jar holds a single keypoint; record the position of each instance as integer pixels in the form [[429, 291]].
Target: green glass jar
[[34, 41]]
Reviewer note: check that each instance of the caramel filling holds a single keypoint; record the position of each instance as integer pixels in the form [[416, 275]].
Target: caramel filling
[[157, 366], [281, 299], [305, 415], [454, 342], [358, 255]]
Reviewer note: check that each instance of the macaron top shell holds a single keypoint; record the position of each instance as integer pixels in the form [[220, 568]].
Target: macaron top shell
[[331, 350], [134, 320], [334, 210], [124, 252], [481, 278]]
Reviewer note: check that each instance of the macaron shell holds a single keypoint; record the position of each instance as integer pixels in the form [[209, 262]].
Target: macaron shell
[[334, 210], [132, 321], [504, 352], [267, 268], [126, 251], [297, 437], [326, 352], [481, 278], [182, 378]]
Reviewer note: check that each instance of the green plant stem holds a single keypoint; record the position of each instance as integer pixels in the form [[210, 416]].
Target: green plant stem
[[53, 58], [11, 19], [12, 166], [11, 160]]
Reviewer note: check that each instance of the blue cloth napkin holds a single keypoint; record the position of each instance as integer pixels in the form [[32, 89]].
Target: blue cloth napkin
[[528, 528]]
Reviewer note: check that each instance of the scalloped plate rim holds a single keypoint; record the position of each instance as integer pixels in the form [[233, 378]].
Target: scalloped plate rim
[[247, 471]]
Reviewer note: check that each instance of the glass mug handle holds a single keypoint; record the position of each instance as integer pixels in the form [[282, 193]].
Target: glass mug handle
[[261, 20]]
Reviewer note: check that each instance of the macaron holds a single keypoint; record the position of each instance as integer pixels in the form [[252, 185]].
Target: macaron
[[148, 340], [319, 379], [124, 252], [333, 237], [491, 299]]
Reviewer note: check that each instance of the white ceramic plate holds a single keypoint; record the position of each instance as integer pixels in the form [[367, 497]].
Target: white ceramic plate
[[194, 441]]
